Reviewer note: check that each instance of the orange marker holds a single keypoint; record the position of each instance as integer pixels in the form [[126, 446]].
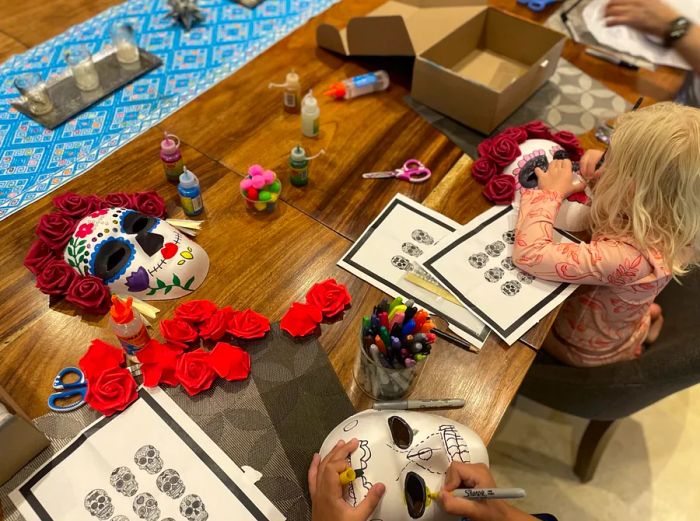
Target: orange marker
[[380, 344]]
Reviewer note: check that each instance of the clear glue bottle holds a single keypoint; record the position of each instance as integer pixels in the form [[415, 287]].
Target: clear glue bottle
[[128, 326], [359, 85], [310, 115], [291, 96], [171, 157], [299, 164], [190, 193]]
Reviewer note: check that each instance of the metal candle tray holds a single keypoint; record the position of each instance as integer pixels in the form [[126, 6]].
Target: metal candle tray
[[68, 100]]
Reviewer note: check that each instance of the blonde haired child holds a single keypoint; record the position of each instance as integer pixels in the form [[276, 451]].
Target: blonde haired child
[[645, 224]]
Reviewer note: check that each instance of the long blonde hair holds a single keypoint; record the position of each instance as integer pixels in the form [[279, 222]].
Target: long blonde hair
[[649, 189]]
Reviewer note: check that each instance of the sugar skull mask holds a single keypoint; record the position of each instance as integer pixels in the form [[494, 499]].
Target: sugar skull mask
[[136, 254], [409, 452]]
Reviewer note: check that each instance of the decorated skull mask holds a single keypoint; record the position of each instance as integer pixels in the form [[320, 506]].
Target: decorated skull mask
[[193, 509], [99, 504], [146, 507], [124, 481], [409, 452], [170, 483], [148, 459], [136, 254]]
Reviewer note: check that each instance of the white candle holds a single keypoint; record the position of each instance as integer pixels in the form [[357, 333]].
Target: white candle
[[127, 52], [85, 75]]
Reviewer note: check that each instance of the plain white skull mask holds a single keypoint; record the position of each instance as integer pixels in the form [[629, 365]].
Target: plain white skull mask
[[409, 452]]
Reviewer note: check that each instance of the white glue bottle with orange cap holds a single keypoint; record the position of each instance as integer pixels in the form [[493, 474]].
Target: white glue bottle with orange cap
[[128, 325]]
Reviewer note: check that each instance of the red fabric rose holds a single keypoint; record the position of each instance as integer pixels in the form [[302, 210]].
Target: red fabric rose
[[230, 362], [537, 130], [500, 189], [195, 311], [111, 391], [566, 139], [504, 150], [484, 169], [149, 203], [99, 357], [329, 296], [38, 256], [119, 200], [178, 332], [214, 328], [518, 134], [90, 294], [158, 363], [77, 206], [248, 324], [55, 229], [484, 147], [301, 319], [56, 277], [579, 197], [194, 371]]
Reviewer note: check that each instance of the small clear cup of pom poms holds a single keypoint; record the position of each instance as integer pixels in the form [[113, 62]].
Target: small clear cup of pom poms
[[261, 189]]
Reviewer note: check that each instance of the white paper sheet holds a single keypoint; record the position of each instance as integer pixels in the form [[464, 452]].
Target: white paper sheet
[[393, 237], [57, 491], [507, 299]]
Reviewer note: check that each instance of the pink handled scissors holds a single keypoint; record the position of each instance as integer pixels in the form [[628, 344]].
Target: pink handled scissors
[[412, 171]]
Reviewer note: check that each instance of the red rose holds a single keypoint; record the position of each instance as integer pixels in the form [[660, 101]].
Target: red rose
[[56, 277], [77, 206], [99, 357], [119, 200], [158, 363], [149, 203], [484, 169], [504, 150], [90, 294], [301, 319], [195, 311], [518, 134], [38, 256], [194, 371], [111, 391], [537, 130], [248, 324], [230, 362], [579, 197], [178, 332], [500, 189], [214, 328], [484, 147], [569, 142], [329, 296], [55, 229]]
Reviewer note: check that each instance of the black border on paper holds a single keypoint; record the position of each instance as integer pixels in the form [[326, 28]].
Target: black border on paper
[[473, 307], [368, 233], [26, 489]]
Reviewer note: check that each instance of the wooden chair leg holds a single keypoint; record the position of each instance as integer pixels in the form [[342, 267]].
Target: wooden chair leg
[[591, 447]]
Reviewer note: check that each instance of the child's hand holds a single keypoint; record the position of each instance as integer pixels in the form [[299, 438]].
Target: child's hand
[[327, 492], [588, 164], [559, 177]]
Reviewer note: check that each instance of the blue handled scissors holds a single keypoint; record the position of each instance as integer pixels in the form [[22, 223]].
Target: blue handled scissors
[[537, 5], [412, 171], [68, 390]]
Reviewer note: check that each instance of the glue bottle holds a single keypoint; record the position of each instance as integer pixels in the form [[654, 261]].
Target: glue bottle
[[359, 85], [299, 163], [310, 115], [190, 193], [171, 157], [292, 92], [128, 326]]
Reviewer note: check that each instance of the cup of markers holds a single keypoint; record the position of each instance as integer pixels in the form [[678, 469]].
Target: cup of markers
[[260, 189], [395, 342]]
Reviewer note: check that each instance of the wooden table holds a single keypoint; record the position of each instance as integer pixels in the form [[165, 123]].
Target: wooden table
[[267, 262]]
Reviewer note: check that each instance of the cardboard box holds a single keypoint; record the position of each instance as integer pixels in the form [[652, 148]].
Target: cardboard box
[[474, 63]]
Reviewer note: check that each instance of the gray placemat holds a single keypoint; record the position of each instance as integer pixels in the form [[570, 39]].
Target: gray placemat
[[273, 421], [571, 100]]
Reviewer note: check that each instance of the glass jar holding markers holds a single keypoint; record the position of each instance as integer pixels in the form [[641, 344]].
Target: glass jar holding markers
[[394, 345], [260, 189]]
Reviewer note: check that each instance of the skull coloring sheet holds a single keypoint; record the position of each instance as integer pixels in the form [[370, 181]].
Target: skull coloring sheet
[[151, 462], [476, 265], [393, 245]]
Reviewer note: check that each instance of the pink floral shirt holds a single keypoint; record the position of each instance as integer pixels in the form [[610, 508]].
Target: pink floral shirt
[[607, 318]]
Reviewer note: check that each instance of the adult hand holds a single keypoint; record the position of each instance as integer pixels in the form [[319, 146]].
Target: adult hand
[[588, 164], [649, 16], [559, 177], [327, 492]]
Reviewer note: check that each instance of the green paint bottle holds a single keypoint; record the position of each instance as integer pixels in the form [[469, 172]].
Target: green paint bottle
[[299, 165]]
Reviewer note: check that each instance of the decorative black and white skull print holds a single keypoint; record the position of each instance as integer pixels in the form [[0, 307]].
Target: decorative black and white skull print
[[148, 459], [507, 264], [511, 288], [99, 504], [422, 237], [401, 262], [478, 260], [124, 481], [146, 507], [121, 518], [494, 274], [525, 278], [170, 483], [411, 249], [509, 237], [495, 248], [192, 507]]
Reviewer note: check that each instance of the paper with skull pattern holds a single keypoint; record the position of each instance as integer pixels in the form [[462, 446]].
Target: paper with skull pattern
[[475, 264], [150, 462]]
